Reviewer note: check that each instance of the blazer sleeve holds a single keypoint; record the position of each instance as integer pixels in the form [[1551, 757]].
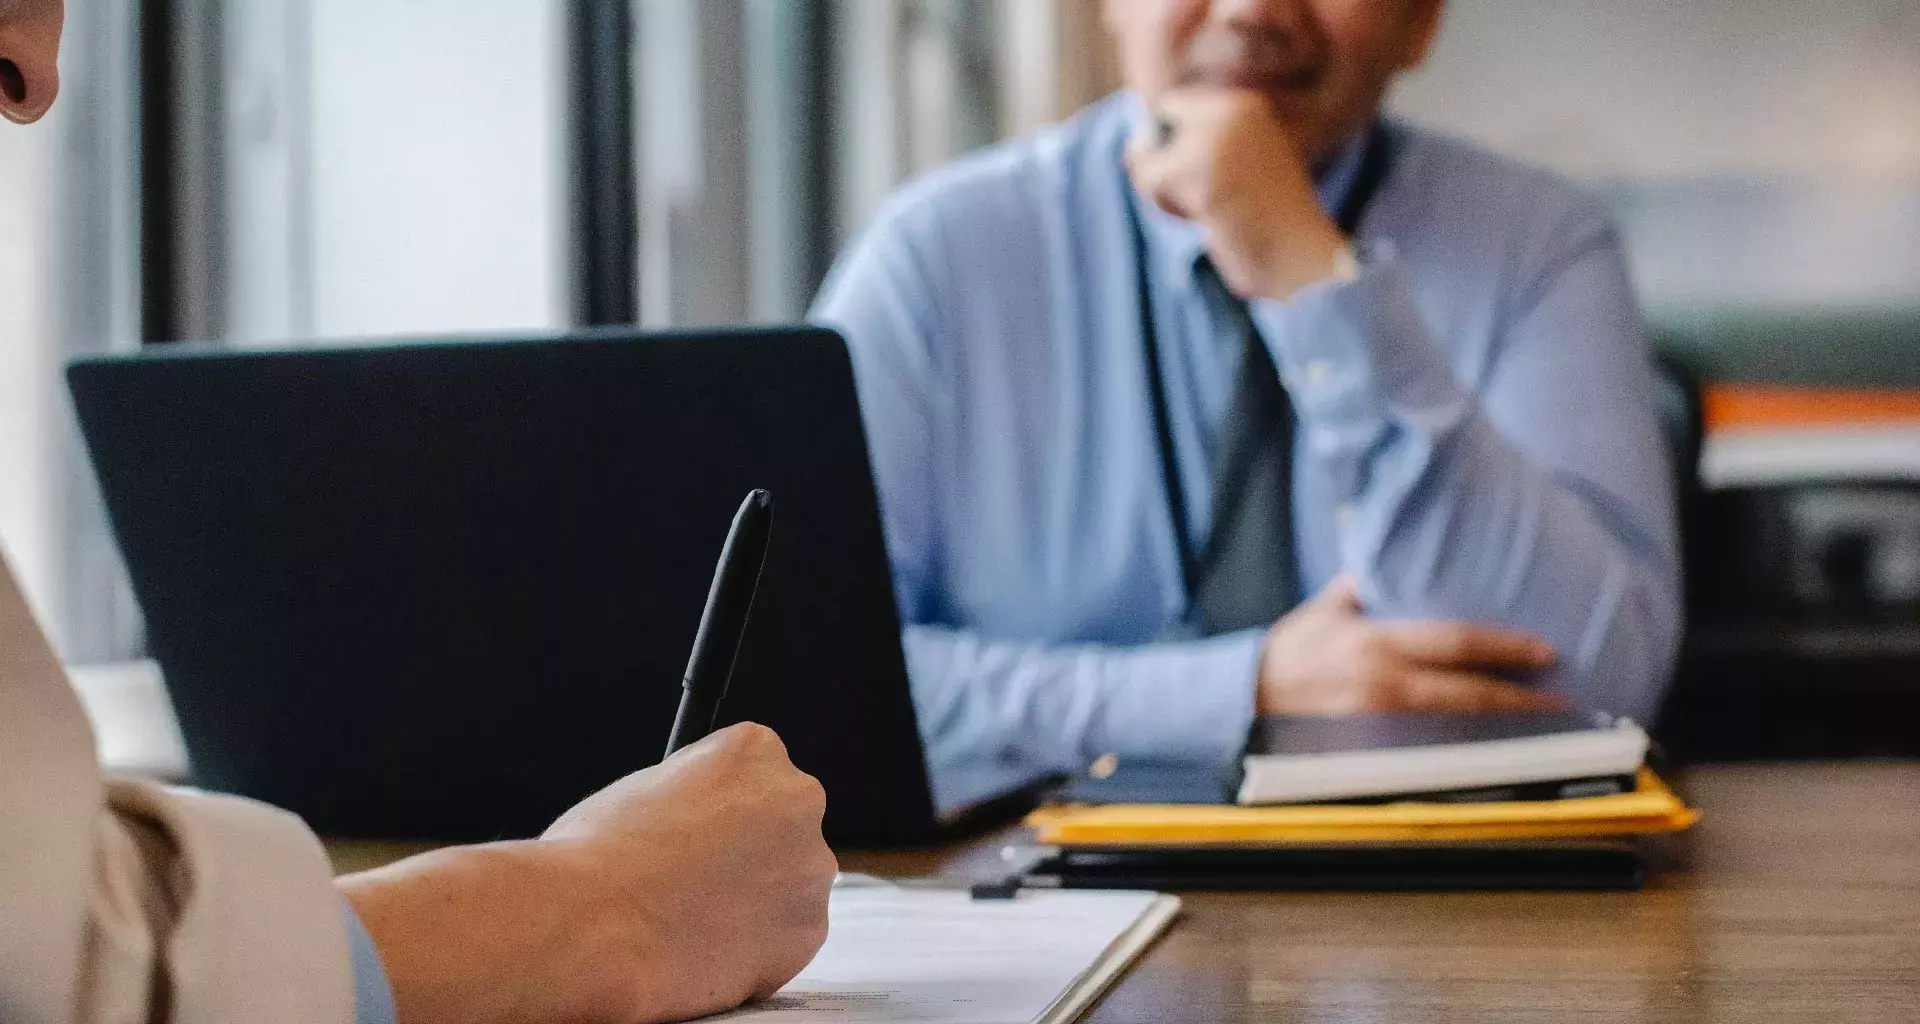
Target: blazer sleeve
[[129, 903]]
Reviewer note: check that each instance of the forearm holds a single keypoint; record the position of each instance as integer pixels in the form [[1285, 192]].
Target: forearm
[[997, 714], [1466, 527], [1448, 517], [501, 932]]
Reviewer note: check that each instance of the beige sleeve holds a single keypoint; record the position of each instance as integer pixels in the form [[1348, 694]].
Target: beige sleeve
[[131, 903], [210, 909]]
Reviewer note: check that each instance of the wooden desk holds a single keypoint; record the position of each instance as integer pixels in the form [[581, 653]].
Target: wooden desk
[[1798, 898]]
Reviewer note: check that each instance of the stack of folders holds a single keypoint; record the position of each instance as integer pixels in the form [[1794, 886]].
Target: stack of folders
[[1401, 801]]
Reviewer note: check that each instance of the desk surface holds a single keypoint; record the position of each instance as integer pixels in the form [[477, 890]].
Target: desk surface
[[1797, 898]]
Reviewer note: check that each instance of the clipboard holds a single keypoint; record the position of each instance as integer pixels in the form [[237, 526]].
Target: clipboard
[[938, 955]]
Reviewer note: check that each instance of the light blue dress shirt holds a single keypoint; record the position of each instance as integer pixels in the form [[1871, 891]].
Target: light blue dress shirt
[[372, 994], [1477, 440]]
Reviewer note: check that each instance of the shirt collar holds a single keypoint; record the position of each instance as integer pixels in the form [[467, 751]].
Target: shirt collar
[[1180, 243]]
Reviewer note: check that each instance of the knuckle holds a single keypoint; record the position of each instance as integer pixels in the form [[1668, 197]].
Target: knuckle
[[729, 741], [757, 742], [757, 736], [811, 793]]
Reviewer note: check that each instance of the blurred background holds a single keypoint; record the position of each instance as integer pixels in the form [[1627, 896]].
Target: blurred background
[[277, 169]]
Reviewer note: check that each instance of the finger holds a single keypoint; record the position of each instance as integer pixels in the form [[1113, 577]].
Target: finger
[[1441, 690], [1343, 591], [1468, 645], [1146, 163], [1182, 121], [1162, 177], [1161, 131], [805, 922], [1161, 127]]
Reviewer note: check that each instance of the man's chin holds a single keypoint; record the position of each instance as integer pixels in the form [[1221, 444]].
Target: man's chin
[[1302, 120], [1298, 109]]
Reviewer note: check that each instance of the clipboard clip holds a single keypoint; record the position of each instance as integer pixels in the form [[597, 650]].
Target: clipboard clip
[[1019, 861]]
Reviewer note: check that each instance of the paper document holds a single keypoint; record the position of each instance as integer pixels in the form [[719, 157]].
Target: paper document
[[940, 957]]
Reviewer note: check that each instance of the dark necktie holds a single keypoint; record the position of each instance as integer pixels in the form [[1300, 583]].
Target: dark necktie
[[1246, 577]]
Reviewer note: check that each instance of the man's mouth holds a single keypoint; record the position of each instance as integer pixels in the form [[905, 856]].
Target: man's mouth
[[1270, 63], [1300, 81]]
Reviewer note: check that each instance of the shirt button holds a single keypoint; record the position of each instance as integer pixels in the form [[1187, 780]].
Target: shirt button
[[1318, 370], [1343, 514]]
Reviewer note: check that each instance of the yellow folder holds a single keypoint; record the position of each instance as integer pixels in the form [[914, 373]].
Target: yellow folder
[[1651, 808]]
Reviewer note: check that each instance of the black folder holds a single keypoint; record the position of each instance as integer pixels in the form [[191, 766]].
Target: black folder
[[1521, 865]]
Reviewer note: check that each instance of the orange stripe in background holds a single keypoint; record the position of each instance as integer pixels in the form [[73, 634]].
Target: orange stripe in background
[[1744, 406]]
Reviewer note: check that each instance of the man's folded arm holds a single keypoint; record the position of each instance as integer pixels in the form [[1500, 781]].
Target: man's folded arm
[[1542, 502], [997, 715]]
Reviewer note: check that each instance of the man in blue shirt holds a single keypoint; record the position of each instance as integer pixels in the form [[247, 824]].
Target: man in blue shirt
[[1228, 397]]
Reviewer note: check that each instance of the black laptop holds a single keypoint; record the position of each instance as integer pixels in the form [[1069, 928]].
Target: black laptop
[[445, 589]]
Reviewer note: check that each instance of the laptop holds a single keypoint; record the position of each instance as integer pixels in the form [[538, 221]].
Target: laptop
[[445, 589]]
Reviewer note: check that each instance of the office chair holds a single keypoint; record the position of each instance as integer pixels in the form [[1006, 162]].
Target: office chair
[[1683, 420]]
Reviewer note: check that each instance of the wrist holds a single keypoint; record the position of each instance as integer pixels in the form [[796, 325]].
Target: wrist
[[1311, 255], [489, 933], [1270, 682]]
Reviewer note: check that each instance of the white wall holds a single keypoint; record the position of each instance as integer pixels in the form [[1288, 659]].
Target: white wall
[[437, 169], [29, 385], [1761, 153], [1683, 87]]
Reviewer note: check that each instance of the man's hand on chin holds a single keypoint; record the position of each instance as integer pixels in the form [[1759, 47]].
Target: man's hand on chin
[[1327, 658], [1222, 159]]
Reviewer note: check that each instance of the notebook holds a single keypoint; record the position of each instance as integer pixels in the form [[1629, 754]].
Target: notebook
[[1305, 759], [938, 956]]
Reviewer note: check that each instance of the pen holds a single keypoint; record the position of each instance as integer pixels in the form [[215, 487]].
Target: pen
[[724, 622]]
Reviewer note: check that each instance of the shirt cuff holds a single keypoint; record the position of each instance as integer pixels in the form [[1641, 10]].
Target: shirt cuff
[[1356, 357], [1187, 702], [372, 994], [1350, 349]]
